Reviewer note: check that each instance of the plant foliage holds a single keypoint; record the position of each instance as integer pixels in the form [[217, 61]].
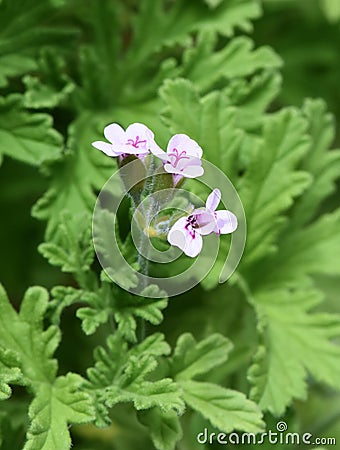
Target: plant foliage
[[218, 358]]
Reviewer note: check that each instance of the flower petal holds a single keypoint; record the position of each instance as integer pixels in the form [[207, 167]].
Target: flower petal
[[139, 129], [206, 221], [186, 239], [182, 163], [104, 147], [139, 139], [158, 152], [193, 171], [183, 143], [189, 171], [226, 221], [193, 246], [114, 133], [213, 200]]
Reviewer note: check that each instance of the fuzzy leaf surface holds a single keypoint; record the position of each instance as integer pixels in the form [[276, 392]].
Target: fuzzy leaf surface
[[296, 343], [164, 427], [191, 358], [27, 137], [54, 407], [9, 372], [225, 409], [23, 335]]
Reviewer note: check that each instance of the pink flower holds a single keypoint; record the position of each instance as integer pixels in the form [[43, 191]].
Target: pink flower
[[187, 232], [182, 158], [136, 140]]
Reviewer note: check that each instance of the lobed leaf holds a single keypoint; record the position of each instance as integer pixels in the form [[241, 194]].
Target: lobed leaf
[[271, 181], [75, 177], [209, 120], [322, 164], [295, 343], [205, 67], [122, 375], [24, 29], [72, 249], [54, 407], [9, 372], [174, 25], [27, 137], [163, 394], [129, 307], [23, 335], [57, 401], [191, 358], [53, 87], [306, 251], [225, 409], [164, 427]]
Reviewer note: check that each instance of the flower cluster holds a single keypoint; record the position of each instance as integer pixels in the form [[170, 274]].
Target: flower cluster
[[182, 159]]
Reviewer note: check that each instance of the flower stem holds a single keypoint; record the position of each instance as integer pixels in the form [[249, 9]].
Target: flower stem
[[142, 258]]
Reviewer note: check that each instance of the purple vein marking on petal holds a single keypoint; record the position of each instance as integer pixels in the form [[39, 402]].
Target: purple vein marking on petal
[[191, 225], [135, 143], [178, 156]]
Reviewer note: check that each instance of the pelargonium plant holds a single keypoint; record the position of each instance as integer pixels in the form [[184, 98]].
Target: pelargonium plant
[[182, 159], [184, 288]]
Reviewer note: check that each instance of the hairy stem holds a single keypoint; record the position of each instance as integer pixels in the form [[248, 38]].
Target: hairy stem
[[143, 247]]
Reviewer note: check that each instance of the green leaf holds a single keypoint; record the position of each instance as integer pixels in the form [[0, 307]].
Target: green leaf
[[209, 120], [100, 303], [305, 247], [271, 181], [226, 409], [74, 179], [62, 296], [25, 136], [9, 372], [54, 407], [128, 307], [253, 97], [163, 393], [23, 335], [122, 375], [107, 243], [310, 250], [54, 89], [174, 25], [322, 164], [99, 309], [296, 343], [58, 401], [205, 67], [164, 427], [110, 363], [23, 32], [191, 358], [73, 249]]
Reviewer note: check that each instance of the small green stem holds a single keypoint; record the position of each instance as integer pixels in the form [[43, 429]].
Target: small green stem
[[142, 258]]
